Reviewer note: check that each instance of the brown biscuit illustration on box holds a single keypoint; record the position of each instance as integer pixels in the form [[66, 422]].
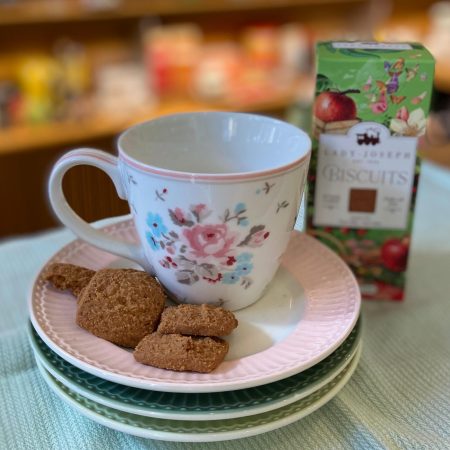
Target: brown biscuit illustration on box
[[181, 353], [121, 306], [68, 277], [197, 320]]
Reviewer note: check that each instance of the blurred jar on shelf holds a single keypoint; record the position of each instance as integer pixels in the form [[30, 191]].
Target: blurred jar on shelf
[[122, 89], [438, 38], [261, 64], [171, 53], [295, 48], [217, 71], [10, 104], [260, 44], [37, 77], [50, 85], [75, 80]]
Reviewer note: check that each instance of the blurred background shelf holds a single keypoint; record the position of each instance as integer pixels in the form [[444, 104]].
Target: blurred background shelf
[[23, 138], [28, 138], [442, 76], [47, 11], [78, 72]]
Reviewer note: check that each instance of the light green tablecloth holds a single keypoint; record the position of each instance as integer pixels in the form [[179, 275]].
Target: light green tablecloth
[[399, 396]]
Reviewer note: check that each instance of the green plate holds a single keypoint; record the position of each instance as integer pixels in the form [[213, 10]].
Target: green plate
[[197, 406], [207, 430]]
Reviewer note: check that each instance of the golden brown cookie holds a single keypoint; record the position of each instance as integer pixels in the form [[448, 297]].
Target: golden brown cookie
[[68, 276], [177, 352], [121, 305], [197, 320]]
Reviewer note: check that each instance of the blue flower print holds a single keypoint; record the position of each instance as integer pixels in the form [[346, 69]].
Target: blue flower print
[[154, 221], [154, 244], [244, 257], [243, 222], [240, 207], [244, 268], [230, 278]]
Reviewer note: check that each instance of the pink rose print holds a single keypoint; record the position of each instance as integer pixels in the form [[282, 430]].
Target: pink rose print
[[200, 211], [198, 208], [179, 214], [212, 253], [257, 239], [180, 218], [209, 240]]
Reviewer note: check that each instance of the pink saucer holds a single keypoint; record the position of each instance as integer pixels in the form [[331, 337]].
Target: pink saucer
[[306, 313]]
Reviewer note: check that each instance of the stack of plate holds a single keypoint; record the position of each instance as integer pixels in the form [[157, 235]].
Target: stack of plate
[[292, 352]]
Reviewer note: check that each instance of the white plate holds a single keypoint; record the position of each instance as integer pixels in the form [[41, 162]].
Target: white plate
[[201, 431], [307, 312]]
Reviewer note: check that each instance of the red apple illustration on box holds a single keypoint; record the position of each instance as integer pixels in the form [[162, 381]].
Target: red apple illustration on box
[[394, 254], [334, 112], [334, 106]]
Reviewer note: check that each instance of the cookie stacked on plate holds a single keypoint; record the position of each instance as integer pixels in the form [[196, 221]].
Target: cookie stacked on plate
[[109, 343], [127, 307]]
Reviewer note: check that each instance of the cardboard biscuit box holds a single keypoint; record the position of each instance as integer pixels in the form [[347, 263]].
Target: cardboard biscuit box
[[370, 107]]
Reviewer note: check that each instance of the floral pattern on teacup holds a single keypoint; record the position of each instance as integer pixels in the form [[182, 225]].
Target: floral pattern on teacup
[[211, 252]]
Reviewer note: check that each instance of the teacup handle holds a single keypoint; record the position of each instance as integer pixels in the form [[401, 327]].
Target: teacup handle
[[109, 164]]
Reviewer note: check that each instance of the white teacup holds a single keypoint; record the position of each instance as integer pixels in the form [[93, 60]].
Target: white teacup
[[214, 197]]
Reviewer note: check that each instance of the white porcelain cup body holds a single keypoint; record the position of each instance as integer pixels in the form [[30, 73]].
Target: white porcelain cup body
[[214, 197]]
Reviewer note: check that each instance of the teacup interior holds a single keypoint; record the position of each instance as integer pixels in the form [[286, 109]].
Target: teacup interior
[[215, 143]]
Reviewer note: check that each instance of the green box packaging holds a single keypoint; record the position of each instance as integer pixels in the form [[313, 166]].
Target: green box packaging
[[370, 107]]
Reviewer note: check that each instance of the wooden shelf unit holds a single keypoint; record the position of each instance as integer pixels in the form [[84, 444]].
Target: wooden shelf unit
[[33, 137], [48, 11], [27, 153]]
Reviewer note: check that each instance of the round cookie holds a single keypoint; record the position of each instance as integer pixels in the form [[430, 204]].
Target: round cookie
[[121, 306]]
